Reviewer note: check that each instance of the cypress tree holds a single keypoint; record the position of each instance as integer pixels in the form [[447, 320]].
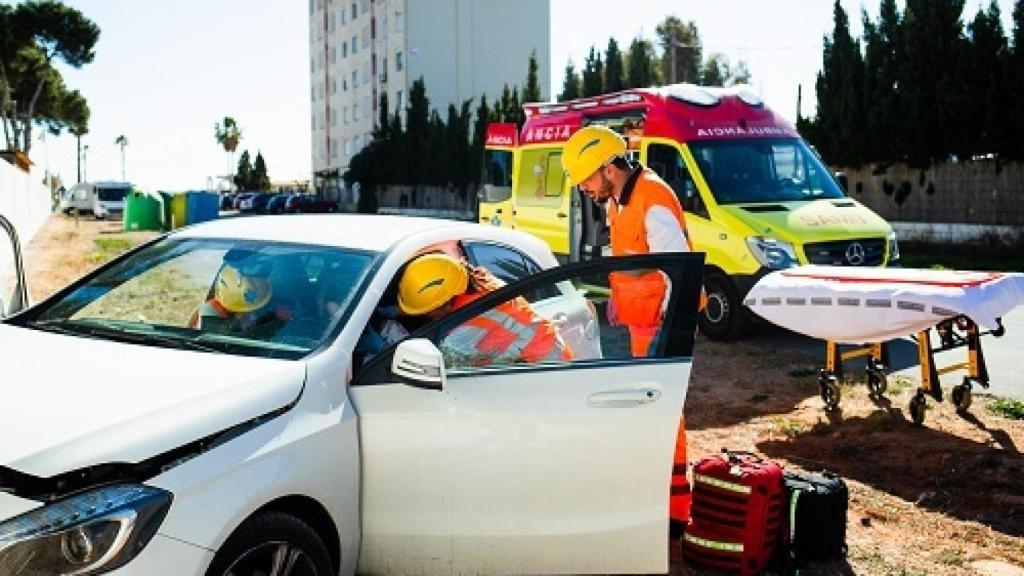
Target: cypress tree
[[614, 68], [570, 83], [531, 92]]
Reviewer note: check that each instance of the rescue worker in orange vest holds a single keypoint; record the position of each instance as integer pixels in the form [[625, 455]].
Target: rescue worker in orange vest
[[240, 299], [644, 216], [436, 283]]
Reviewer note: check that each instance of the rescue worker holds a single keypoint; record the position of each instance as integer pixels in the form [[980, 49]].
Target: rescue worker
[[240, 299], [645, 216], [434, 284]]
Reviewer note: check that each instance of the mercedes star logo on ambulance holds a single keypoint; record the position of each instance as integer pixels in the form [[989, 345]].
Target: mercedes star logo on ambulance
[[855, 254]]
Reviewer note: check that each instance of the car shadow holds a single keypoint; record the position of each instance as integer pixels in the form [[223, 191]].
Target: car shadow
[[949, 474]]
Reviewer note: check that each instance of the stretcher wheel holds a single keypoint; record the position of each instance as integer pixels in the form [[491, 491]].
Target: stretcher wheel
[[830, 393], [918, 405], [878, 382], [962, 396]]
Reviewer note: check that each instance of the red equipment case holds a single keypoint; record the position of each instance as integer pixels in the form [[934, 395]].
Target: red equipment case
[[737, 520]]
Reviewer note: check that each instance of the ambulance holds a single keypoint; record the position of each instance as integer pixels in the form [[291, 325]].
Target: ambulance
[[757, 198]]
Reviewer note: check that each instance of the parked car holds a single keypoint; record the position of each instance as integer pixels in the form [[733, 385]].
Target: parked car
[[259, 202], [241, 201], [231, 448], [300, 203], [227, 201], [276, 203]]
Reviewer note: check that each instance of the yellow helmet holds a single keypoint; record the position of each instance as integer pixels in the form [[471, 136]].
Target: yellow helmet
[[243, 287], [429, 282], [589, 149]]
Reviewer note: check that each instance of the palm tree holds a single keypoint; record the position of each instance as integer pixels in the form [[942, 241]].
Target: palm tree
[[228, 136], [122, 141]]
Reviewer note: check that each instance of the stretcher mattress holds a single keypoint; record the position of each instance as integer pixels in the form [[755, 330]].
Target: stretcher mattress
[[858, 305]]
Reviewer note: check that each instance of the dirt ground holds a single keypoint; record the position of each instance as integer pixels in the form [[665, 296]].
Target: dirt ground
[[945, 498]]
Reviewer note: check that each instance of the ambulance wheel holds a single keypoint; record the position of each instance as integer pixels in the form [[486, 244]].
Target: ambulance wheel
[[877, 382], [722, 318], [830, 393], [918, 405], [962, 396]]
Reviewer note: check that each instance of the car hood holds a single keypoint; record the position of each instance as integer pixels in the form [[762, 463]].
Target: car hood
[[814, 221], [71, 402]]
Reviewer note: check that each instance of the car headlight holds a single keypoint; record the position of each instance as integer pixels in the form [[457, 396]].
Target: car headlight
[[91, 533], [772, 253], [894, 247]]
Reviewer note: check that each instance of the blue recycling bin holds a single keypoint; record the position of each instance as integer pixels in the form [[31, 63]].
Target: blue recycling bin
[[201, 206]]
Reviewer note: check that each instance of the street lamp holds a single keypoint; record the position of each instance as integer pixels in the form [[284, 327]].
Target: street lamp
[[676, 44]]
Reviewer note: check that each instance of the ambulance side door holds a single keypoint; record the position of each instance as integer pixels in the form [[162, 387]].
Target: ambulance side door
[[556, 467], [542, 201]]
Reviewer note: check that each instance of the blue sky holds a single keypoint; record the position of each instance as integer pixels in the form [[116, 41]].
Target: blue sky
[[166, 71]]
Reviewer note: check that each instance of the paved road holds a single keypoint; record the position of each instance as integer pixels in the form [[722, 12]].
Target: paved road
[[1004, 356]]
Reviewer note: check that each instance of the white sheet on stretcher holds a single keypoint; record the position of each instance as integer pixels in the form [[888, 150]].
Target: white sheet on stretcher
[[859, 305]]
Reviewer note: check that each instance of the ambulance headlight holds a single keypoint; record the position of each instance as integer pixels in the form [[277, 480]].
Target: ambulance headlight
[[772, 253], [894, 247], [91, 533]]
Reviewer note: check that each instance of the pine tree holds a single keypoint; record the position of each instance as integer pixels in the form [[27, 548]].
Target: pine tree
[[839, 89], [481, 119], [1015, 87], [243, 174], [260, 180], [417, 127], [640, 72], [882, 53], [593, 74], [570, 84], [531, 92], [984, 76], [614, 68]]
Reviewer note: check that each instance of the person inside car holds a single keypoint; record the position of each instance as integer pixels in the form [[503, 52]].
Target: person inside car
[[240, 300]]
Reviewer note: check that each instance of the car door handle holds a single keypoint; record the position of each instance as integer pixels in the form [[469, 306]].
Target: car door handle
[[625, 397]]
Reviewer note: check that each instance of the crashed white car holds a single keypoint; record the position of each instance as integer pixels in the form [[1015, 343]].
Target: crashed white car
[[133, 441]]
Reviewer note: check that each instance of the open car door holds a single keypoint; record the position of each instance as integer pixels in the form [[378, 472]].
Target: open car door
[[12, 256], [492, 465]]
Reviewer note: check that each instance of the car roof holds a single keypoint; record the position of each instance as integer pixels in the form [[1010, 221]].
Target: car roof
[[360, 231]]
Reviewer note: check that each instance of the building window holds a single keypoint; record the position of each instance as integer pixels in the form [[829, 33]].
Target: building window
[[333, 54], [344, 84], [366, 6], [344, 117], [399, 62], [312, 65], [312, 93], [400, 100], [312, 119], [366, 36], [311, 7], [355, 79], [354, 13], [344, 17], [399, 21], [384, 70], [355, 111], [334, 86], [344, 49], [355, 45]]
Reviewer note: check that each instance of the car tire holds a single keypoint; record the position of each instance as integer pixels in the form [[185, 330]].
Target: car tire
[[269, 538], [723, 318]]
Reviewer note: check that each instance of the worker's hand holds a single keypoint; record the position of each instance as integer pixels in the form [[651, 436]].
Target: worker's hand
[[482, 280], [613, 313]]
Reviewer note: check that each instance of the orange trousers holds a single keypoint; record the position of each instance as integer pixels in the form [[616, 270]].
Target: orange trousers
[[679, 494], [640, 338]]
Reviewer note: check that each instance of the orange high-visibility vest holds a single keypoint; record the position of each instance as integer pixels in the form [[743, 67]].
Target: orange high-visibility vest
[[638, 297], [508, 333]]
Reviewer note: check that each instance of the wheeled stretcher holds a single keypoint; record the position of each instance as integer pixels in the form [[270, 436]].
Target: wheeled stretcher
[[867, 307]]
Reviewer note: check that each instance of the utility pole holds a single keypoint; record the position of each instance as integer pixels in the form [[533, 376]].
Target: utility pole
[[78, 143], [799, 96], [85, 162]]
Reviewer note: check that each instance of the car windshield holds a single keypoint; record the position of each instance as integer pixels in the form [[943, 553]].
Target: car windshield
[[274, 300], [763, 170], [112, 194]]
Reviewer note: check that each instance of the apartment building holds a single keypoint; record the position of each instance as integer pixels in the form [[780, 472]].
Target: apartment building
[[360, 49]]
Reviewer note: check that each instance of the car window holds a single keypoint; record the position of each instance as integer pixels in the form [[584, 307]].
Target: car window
[[508, 265], [234, 296]]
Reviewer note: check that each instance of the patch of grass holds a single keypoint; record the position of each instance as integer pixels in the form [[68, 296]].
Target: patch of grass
[[898, 384], [109, 248], [1012, 409], [951, 557], [791, 428]]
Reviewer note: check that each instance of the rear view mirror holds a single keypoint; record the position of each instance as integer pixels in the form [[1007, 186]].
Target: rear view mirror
[[419, 363]]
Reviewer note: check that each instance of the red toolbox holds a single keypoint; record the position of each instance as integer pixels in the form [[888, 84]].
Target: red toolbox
[[736, 519]]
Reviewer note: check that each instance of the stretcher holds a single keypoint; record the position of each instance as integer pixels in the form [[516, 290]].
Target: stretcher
[[857, 310]]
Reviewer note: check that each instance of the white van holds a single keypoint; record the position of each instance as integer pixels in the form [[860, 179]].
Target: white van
[[102, 199]]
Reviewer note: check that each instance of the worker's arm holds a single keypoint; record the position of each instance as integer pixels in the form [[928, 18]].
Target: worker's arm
[[663, 231]]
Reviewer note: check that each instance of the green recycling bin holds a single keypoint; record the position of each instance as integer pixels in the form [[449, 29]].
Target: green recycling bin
[[141, 212]]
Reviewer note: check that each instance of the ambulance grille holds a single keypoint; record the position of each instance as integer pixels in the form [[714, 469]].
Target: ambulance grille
[[859, 252]]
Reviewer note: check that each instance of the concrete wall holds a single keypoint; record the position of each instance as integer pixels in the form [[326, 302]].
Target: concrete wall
[[973, 202], [25, 201], [466, 48]]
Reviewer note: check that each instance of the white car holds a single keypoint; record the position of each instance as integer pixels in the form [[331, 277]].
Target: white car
[[133, 442]]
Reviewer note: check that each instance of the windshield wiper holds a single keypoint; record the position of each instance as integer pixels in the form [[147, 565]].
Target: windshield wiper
[[103, 329]]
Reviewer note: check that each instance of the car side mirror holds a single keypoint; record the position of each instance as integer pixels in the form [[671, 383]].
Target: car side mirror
[[419, 363]]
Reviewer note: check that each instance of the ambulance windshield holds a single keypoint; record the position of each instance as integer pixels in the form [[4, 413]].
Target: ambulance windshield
[[497, 176], [763, 170]]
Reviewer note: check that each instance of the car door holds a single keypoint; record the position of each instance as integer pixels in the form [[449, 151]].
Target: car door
[[554, 467]]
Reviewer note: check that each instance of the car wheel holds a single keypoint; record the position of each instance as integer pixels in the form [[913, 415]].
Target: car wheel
[[272, 543], [723, 317]]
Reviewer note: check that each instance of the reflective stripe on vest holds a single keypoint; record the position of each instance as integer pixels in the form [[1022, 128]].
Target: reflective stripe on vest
[[713, 544], [740, 488], [509, 332]]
